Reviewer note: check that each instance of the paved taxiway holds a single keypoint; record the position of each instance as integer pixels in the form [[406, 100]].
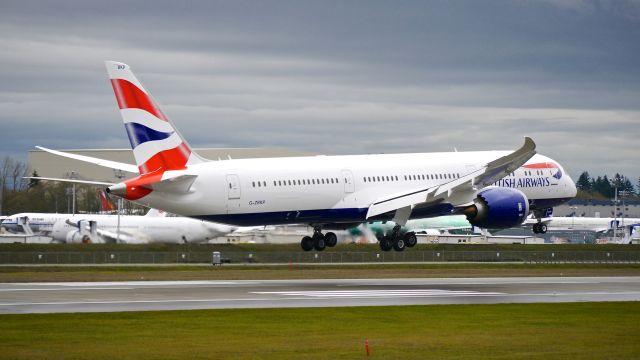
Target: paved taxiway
[[175, 295]]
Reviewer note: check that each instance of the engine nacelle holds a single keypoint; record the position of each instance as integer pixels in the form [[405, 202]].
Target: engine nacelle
[[498, 208], [84, 232]]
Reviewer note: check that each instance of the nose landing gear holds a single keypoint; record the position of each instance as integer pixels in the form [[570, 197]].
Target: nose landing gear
[[539, 228]]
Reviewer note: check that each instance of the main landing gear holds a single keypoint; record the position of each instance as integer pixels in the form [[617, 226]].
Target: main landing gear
[[396, 241], [318, 241], [539, 228]]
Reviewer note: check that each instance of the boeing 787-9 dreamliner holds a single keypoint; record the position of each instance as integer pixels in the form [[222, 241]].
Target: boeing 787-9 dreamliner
[[494, 189]]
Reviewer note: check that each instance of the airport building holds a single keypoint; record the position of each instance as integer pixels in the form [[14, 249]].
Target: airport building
[[599, 208]]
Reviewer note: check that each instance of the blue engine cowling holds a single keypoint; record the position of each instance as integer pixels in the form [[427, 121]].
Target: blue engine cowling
[[498, 208]]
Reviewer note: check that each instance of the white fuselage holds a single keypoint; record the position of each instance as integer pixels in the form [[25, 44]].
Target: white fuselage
[[339, 189]]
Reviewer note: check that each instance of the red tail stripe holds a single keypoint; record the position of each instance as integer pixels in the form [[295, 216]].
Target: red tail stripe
[[130, 96], [172, 159], [541, 166]]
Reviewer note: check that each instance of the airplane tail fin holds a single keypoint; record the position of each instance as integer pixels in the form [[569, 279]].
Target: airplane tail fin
[[157, 145], [105, 202]]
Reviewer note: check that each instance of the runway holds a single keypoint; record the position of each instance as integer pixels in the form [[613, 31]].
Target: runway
[[18, 298]]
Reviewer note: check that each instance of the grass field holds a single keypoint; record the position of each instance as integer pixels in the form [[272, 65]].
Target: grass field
[[115, 273], [515, 331]]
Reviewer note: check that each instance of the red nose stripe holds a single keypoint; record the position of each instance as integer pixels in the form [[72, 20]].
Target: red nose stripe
[[130, 96], [541, 166]]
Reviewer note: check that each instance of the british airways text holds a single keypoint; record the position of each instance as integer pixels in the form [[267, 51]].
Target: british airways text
[[523, 182]]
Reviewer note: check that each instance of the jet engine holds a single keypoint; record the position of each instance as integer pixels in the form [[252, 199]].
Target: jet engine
[[498, 208], [83, 232]]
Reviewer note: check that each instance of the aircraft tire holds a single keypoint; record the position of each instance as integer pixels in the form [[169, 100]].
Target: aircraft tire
[[307, 243], [542, 228], [536, 228], [330, 239], [399, 245], [319, 243], [385, 244], [410, 239]]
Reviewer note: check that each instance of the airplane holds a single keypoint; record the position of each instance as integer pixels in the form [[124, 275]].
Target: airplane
[[600, 225], [494, 189], [430, 226], [154, 227]]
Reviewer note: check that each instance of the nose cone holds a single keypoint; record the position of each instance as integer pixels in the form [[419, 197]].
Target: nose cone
[[572, 191]]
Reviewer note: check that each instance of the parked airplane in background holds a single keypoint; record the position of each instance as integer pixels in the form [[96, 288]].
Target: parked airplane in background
[[327, 192], [151, 228], [431, 226], [601, 225]]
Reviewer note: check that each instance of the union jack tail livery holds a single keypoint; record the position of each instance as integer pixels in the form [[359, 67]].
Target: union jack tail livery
[[156, 143]]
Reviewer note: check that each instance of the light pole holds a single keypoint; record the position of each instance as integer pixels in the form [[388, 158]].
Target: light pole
[[73, 176], [615, 215], [119, 174]]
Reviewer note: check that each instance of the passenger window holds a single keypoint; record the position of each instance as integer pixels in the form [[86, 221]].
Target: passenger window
[[253, 183]]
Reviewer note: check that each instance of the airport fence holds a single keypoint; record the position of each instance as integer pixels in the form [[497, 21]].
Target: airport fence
[[409, 256]]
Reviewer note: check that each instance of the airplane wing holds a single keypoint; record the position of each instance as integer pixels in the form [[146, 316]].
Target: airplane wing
[[125, 237], [106, 163], [458, 191]]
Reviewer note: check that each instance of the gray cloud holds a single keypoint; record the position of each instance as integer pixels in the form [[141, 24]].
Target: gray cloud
[[333, 77]]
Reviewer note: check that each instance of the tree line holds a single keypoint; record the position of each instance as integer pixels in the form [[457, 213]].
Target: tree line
[[605, 186]]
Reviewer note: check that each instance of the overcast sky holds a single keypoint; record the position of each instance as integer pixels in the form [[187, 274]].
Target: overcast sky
[[342, 77]]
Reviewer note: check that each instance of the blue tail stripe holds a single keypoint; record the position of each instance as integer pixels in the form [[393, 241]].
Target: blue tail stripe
[[140, 134]]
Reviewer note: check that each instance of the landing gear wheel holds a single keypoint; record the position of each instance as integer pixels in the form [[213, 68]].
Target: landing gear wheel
[[399, 245], [307, 243], [542, 228], [385, 244], [410, 239], [330, 239], [536, 228], [319, 243]]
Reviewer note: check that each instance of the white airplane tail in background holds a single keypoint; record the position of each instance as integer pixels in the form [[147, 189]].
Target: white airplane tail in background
[[157, 145]]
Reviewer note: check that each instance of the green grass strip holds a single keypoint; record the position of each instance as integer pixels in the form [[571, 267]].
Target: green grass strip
[[513, 331]]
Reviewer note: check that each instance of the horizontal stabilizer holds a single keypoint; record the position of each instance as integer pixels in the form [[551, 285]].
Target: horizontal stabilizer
[[76, 181], [100, 162]]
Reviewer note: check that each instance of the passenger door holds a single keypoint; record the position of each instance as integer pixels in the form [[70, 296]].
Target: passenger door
[[349, 185]]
